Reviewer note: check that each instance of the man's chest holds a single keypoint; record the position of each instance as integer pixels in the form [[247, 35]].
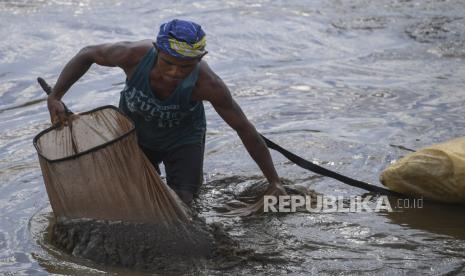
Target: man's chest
[[140, 102], [162, 91]]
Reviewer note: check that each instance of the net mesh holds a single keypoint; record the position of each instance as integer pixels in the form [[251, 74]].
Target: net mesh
[[94, 168]]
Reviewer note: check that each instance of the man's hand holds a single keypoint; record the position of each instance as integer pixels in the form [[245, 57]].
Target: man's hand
[[57, 110], [275, 189], [278, 187]]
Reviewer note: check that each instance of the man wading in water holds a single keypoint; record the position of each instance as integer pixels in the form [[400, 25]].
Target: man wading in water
[[165, 86]]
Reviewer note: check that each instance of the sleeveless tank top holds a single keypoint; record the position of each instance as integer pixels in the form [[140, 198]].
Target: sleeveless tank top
[[163, 125]]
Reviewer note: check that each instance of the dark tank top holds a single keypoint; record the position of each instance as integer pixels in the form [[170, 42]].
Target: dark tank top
[[162, 125]]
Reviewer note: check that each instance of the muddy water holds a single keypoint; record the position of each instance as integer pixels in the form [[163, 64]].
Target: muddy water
[[343, 83]]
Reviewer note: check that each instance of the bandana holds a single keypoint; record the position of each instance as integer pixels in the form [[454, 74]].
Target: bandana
[[182, 39]]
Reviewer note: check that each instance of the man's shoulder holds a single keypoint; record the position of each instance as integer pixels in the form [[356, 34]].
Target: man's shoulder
[[137, 49], [124, 54], [207, 77], [208, 82]]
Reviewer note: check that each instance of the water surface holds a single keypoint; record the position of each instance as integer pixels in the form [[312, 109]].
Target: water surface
[[338, 82]]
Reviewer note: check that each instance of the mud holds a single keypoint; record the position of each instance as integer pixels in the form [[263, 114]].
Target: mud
[[152, 247], [236, 192], [134, 245]]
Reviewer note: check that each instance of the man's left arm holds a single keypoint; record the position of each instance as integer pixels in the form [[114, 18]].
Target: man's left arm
[[217, 93]]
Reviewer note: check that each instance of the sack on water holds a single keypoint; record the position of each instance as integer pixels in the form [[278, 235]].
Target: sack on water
[[93, 168], [436, 172]]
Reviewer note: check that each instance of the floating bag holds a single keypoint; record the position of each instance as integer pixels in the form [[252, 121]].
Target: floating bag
[[436, 172], [93, 168]]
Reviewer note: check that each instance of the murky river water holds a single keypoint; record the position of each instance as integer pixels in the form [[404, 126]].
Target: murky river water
[[339, 82]]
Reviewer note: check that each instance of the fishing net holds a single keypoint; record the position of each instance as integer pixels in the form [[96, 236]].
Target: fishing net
[[436, 172], [94, 168], [108, 200]]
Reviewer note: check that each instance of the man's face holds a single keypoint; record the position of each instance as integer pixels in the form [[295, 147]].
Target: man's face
[[174, 69]]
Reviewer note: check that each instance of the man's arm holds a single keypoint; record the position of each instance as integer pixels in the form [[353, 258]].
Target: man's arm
[[214, 90], [120, 54]]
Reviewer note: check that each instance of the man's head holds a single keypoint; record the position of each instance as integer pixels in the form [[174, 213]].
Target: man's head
[[181, 44]]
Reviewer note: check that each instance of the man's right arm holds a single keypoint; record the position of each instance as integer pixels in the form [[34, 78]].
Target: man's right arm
[[120, 54]]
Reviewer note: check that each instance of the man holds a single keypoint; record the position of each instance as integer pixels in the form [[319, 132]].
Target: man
[[165, 86]]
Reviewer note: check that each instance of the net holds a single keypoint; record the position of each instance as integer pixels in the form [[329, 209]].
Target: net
[[93, 168]]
